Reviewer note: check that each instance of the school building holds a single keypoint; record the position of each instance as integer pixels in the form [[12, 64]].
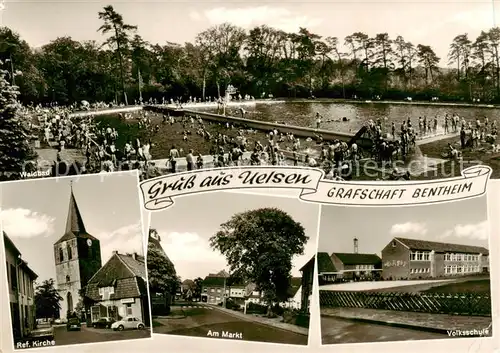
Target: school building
[[406, 258]]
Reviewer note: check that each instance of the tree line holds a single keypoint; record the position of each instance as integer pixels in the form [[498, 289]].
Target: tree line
[[260, 61]]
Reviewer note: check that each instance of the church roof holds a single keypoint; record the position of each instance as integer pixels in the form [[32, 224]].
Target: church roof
[[74, 222]]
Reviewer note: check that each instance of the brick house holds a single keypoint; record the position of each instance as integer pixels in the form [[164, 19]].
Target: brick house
[[20, 279], [119, 289], [354, 266], [413, 259], [215, 287]]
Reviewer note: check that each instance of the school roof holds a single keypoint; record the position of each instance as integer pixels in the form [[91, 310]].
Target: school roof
[[358, 259], [415, 244], [75, 228], [325, 263], [125, 272], [9, 244]]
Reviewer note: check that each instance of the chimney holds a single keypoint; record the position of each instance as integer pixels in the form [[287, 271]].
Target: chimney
[[134, 256], [115, 252], [355, 245]]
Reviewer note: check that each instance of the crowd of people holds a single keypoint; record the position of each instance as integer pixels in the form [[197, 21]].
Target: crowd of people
[[231, 145]]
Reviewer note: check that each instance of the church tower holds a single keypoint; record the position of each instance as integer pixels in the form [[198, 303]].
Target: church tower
[[77, 257]]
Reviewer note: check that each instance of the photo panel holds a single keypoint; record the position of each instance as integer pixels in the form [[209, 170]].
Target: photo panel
[[401, 274], [233, 266], [75, 263], [358, 100]]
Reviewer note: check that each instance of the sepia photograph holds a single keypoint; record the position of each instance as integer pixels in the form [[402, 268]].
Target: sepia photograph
[[75, 265], [399, 95], [413, 273], [234, 271]]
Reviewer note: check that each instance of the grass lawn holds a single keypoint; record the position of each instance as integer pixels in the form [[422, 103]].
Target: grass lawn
[[474, 286], [157, 324], [481, 155], [169, 135]]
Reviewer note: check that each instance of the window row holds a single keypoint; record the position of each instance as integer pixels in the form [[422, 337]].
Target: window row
[[420, 256], [461, 257], [19, 280], [365, 267], [420, 270], [451, 269]]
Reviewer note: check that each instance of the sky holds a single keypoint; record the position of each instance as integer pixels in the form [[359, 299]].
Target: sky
[[461, 222], [425, 22], [34, 215], [186, 227]]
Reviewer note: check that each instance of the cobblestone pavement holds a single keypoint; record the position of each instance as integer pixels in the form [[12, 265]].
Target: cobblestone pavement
[[417, 320]]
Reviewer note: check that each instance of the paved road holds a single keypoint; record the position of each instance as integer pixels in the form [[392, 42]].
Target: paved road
[[212, 323], [92, 335], [335, 330]]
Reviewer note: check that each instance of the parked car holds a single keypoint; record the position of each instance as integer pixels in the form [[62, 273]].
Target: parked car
[[128, 323], [73, 324], [103, 322], [43, 330]]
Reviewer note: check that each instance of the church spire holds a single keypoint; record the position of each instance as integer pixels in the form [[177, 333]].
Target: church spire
[[74, 223]]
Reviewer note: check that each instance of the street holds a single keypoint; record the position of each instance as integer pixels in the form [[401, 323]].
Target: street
[[336, 330], [212, 323], [92, 335]]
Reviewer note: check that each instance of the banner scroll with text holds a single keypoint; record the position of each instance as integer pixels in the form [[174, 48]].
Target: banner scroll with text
[[159, 193]]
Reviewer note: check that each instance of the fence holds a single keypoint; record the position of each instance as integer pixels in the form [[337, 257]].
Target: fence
[[474, 304]]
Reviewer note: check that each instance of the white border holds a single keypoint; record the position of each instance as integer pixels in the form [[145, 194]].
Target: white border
[[255, 192], [56, 179]]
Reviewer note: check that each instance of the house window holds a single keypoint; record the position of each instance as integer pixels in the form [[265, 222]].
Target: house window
[[13, 277], [212, 290], [70, 253], [67, 279], [129, 309], [61, 255], [393, 244], [218, 290]]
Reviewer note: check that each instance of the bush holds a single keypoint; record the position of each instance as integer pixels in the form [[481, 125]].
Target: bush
[[302, 320], [278, 310], [256, 308]]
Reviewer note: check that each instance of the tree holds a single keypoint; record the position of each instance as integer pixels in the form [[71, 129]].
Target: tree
[[198, 284], [120, 39], [162, 276], [460, 51], [259, 246], [47, 300], [16, 154], [429, 61]]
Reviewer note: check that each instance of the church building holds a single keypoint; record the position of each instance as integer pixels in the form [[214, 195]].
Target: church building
[[77, 258]]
